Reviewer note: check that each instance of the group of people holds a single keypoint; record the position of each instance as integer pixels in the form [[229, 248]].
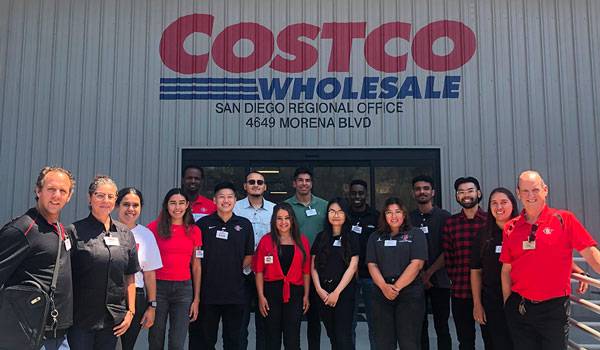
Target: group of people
[[205, 262]]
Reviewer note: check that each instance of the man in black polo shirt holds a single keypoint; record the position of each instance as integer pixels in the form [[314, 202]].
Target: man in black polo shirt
[[28, 248], [364, 222], [430, 220], [228, 246]]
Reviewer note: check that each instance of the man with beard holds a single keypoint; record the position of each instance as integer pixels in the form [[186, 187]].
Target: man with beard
[[537, 255], [457, 237], [430, 220], [259, 211], [364, 222], [191, 182]]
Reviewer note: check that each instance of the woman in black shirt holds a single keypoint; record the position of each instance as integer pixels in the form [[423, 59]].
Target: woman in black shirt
[[488, 306], [334, 262], [396, 254], [104, 261]]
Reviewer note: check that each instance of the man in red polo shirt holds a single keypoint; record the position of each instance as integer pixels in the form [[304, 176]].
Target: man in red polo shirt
[[191, 182], [537, 257]]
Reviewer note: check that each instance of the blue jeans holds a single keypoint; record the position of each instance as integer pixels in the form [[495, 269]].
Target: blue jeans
[[86, 339], [55, 343], [364, 290], [173, 299]]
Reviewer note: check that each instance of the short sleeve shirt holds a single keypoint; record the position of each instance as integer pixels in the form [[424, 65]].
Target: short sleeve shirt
[[431, 224], [310, 218], [485, 255], [202, 206], [363, 225], [225, 244], [176, 252], [148, 253], [259, 217], [97, 253], [393, 254], [336, 265], [28, 248], [544, 272]]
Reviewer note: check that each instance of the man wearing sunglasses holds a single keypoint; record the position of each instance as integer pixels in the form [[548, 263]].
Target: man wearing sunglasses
[[537, 257], [259, 211]]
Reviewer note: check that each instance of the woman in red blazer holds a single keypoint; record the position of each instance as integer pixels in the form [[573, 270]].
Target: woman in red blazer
[[282, 267]]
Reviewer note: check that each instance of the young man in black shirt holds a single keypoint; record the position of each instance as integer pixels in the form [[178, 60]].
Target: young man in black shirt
[[29, 245], [430, 220], [227, 248], [364, 222]]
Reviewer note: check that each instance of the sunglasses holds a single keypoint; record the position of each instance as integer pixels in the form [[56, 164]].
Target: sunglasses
[[531, 237], [256, 182]]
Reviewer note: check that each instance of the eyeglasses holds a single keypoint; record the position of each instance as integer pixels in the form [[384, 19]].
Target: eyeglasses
[[463, 192], [531, 237], [335, 212], [256, 182], [102, 196]]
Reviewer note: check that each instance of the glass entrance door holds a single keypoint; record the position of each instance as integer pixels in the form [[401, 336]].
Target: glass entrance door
[[387, 171]]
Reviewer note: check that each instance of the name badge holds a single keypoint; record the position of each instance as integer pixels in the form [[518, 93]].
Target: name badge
[[268, 259], [528, 245], [311, 212], [425, 229], [357, 229], [222, 234], [67, 244], [498, 249], [114, 241], [337, 243], [199, 253], [389, 243]]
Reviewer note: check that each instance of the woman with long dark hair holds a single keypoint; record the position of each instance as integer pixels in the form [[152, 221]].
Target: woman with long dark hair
[[396, 254], [282, 267], [334, 263], [129, 207], [177, 293], [104, 261], [486, 286]]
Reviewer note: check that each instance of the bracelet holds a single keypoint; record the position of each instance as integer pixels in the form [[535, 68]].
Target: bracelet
[[131, 312]]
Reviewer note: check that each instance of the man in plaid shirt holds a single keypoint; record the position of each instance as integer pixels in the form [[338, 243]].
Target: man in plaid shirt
[[457, 236]]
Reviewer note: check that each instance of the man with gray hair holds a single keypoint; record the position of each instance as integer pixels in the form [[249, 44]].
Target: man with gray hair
[[537, 256], [29, 247]]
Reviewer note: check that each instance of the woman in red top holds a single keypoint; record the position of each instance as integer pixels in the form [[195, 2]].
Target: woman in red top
[[282, 267], [179, 241]]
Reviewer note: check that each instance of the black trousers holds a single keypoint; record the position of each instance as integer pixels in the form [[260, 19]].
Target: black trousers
[[496, 326], [462, 312], [313, 320], [544, 325], [210, 316], [128, 339], [338, 320], [399, 321], [440, 307], [283, 318]]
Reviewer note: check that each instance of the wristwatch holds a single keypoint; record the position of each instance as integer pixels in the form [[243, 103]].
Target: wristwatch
[[152, 303]]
